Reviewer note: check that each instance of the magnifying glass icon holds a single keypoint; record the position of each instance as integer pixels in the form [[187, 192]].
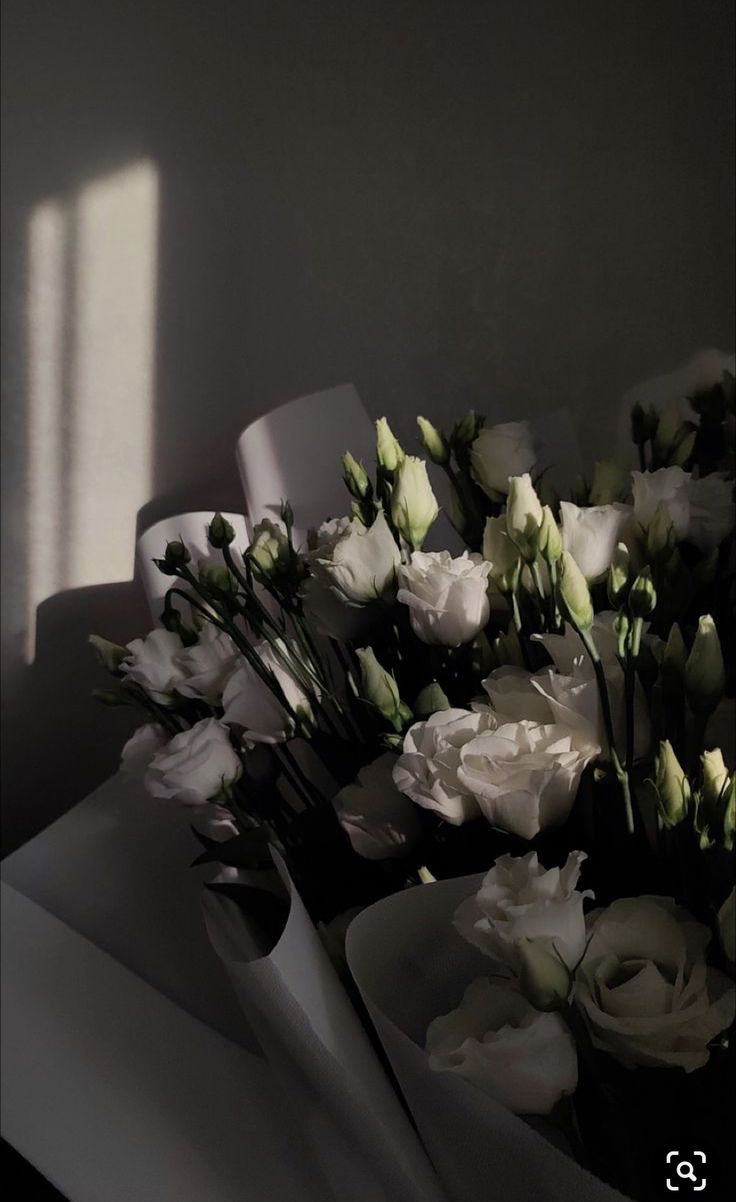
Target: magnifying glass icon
[[689, 1173]]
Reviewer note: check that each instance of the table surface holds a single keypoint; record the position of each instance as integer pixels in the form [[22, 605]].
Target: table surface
[[128, 1070]]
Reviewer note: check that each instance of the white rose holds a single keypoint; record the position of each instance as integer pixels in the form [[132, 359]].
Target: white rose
[[644, 987], [513, 696], [525, 775], [428, 769], [498, 1042], [322, 540], [361, 566], [196, 766], [142, 747], [500, 452], [380, 822], [590, 534], [711, 510], [248, 701], [152, 663], [669, 486], [520, 899], [447, 598], [207, 665]]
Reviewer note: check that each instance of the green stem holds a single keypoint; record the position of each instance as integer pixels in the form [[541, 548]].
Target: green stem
[[621, 773]]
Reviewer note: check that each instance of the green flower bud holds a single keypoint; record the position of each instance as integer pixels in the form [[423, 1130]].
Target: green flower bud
[[715, 777], [669, 430], [727, 926], [176, 555], [621, 628], [524, 515], [705, 674], [618, 575], [574, 593], [220, 533], [218, 578], [356, 477], [673, 661], [643, 595], [110, 655], [610, 482], [729, 814], [661, 538], [680, 455], [379, 688], [467, 429], [413, 504], [270, 551], [507, 649], [430, 700], [502, 554], [434, 443], [672, 785], [550, 539], [544, 978], [388, 450]]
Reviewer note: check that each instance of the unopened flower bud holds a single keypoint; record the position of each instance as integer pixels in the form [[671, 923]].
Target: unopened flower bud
[[524, 515], [643, 595], [680, 455], [220, 533], [434, 443], [672, 785], [388, 449], [176, 555], [502, 554], [110, 655], [544, 978], [669, 428], [705, 674], [355, 477], [621, 628], [550, 539], [413, 504], [574, 593], [729, 814], [618, 575], [218, 578], [270, 551], [467, 429], [610, 482], [380, 689], [661, 536]]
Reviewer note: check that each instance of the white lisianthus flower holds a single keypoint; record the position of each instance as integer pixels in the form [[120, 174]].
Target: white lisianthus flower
[[152, 663], [525, 775], [513, 696], [567, 651], [248, 701], [427, 771], [207, 665], [447, 598], [644, 988], [669, 486], [524, 1059], [142, 747], [590, 534], [380, 822], [361, 565], [520, 899], [196, 766], [711, 511], [500, 452], [414, 507]]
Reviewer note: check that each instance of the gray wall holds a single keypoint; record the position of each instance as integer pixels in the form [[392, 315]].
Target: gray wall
[[500, 203]]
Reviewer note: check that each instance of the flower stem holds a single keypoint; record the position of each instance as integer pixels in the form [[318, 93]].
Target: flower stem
[[620, 769]]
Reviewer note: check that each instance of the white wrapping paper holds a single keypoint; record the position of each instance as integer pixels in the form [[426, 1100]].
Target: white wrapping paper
[[314, 1041], [191, 528], [410, 966]]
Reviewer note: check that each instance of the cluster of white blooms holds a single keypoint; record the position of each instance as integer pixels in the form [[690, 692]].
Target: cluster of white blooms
[[636, 971]]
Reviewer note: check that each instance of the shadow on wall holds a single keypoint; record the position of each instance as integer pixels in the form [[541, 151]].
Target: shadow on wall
[[209, 210]]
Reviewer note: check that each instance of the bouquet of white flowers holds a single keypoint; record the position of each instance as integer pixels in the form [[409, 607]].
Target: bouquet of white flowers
[[543, 710]]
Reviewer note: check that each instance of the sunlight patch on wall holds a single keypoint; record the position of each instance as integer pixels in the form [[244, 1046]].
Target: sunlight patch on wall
[[92, 315]]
